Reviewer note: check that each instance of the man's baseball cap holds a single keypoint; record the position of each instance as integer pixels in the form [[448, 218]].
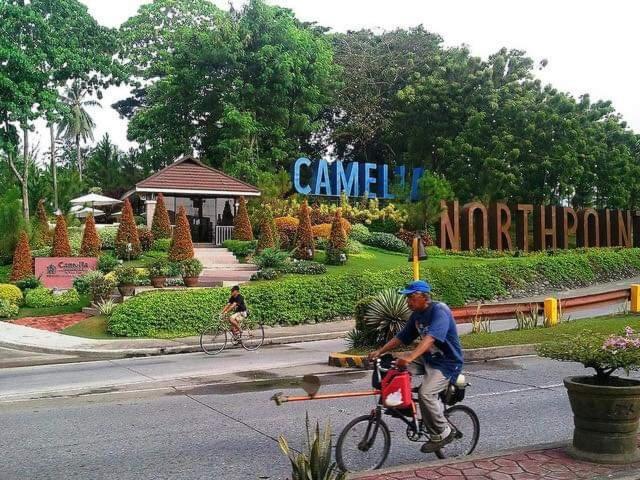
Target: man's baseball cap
[[418, 286]]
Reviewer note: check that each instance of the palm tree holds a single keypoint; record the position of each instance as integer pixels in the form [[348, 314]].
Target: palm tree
[[77, 123]]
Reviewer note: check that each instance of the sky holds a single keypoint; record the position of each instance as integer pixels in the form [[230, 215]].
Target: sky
[[591, 46]]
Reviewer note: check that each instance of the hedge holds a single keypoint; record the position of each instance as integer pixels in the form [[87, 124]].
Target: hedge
[[43, 297], [295, 300]]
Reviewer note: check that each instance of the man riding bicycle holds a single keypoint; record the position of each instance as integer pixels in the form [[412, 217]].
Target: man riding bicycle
[[438, 357], [236, 303]]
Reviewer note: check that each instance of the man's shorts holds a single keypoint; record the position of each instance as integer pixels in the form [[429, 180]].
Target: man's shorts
[[238, 316]]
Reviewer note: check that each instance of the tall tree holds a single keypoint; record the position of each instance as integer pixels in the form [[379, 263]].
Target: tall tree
[[44, 43], [77, 124]]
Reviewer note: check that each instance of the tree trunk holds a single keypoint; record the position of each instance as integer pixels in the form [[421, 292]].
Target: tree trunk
[[79, 156], [25, 176], [54, 168]]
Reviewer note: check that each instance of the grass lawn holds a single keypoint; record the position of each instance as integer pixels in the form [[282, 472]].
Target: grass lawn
[[377, 259], [46, 311], [92, 327], [606, 325], [5, 271]]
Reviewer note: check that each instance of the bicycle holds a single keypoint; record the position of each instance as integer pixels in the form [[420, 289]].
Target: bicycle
[[365, 442], [214, 338]]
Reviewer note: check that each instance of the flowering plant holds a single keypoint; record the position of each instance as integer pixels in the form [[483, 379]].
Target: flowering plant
[[605, 354]]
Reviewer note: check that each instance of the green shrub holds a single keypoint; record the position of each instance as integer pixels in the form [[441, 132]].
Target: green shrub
[[321, 243], [8, 309], [359, 233], [41, 252], [354, 246], [174, 269], [101, 287], [159, 268], [161, 245], [75, 239], [386, 225], [28, 283], [266, 274], [11, 294], [241, 248], [83, 283], [304, 267], [271, 258], [299, 299], [191, 267], [386, 241], [43, 297], [108, 237], [107, 263], [125, 275]]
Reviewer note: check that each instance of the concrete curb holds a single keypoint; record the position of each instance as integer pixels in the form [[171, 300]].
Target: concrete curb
[[470, 355], [348, 361], [104, 354]]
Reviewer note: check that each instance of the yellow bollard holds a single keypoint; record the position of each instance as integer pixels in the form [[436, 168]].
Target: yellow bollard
[[635, 298], [551, 311], [416, 260]]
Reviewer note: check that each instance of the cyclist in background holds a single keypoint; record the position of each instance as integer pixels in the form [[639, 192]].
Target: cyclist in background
[[236, 304]]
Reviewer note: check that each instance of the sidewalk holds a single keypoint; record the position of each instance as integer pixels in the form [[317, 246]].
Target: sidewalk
[[26, 338], [533, 463], [36, 340]]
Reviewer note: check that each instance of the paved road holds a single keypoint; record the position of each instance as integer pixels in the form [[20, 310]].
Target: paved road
[[203, 431]]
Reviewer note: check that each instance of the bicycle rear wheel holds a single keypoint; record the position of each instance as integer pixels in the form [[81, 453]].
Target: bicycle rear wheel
[[466, 425], [363, 444], [213, 339], [252, 337]]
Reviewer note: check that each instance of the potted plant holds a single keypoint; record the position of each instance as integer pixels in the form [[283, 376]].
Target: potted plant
[[606, 408], [126, 278], [191, 270], [158, 272], [100, 287]]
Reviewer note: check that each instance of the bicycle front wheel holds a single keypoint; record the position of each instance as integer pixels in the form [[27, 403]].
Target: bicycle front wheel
[[213, 340], [466, 426], [363, 444], [252, 337]]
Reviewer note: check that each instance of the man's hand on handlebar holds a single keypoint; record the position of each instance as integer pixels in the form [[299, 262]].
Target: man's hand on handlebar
[[402, 362], [373, 355]]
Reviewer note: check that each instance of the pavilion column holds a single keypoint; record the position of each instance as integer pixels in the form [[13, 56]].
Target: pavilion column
[[150, 205]]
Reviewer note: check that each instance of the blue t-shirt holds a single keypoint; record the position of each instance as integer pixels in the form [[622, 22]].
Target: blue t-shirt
[[436, 321]]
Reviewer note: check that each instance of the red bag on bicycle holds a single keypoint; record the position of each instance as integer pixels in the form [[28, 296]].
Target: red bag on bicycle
[[396, 389]]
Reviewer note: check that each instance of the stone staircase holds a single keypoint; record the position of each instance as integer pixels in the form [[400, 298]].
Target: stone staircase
[[221, 267]]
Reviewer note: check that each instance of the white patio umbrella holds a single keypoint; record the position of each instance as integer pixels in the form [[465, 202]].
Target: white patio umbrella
[[95, 199], [87, 210]]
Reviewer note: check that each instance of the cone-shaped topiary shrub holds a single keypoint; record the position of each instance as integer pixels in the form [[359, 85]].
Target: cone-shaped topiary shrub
[[182, 245], [161, 225], [305, 248], [241, 224], [267, 237], [21, 268], [91, 244], [337, 246], [127, 234], [61, 247], [42, 234]]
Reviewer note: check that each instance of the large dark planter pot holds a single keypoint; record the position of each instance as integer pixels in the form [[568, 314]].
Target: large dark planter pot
[[127, 290], [190, 281], [158, 282], [605, 419]]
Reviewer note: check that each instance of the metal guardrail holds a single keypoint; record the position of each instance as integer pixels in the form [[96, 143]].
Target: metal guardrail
[[503, 311]]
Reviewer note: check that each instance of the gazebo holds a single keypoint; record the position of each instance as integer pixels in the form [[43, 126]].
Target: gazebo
[[202, 190]]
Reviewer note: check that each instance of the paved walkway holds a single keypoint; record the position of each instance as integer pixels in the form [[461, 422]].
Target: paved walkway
[[526, 464], [53, 323]]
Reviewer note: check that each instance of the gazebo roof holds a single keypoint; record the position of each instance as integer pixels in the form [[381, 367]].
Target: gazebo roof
[[189, 176]]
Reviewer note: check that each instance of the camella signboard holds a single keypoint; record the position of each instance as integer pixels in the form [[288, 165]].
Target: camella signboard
[[59, 272], [353, 178]]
